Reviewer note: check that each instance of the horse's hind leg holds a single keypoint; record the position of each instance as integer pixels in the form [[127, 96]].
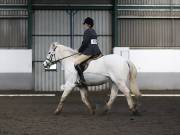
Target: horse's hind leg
[[84, 97], [125, 90]]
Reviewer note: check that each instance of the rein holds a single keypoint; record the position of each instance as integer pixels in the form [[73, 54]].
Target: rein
[[63, 58]]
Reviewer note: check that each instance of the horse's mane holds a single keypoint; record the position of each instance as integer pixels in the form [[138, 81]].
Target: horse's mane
[[66, 48]]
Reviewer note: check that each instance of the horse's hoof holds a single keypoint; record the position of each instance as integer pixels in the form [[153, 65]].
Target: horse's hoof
[[57, 112], [135, 112], [92, 112], [102, 111]]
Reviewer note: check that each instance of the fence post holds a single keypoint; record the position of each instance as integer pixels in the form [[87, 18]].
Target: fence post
[[29, 24], [115, 35]]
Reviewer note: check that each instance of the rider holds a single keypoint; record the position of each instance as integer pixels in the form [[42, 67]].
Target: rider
[[88, 48]]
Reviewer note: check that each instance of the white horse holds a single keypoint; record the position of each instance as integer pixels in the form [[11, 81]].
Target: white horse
[[119, 70]]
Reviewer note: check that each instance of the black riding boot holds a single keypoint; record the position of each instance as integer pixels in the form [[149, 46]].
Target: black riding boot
[[80, 73]]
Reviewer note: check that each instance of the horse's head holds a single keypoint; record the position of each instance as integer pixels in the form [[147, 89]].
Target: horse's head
[[51, 56], [58, 52]]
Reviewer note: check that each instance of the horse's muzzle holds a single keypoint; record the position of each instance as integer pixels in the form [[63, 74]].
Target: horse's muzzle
[[45, 65]]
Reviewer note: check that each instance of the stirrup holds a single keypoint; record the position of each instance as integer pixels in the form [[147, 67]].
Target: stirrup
[[80, 84]]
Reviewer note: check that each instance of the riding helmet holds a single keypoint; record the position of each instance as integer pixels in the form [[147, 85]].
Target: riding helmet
[[89, 21]]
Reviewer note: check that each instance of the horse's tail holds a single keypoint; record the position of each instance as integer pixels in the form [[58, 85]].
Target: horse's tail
[[133, 80]]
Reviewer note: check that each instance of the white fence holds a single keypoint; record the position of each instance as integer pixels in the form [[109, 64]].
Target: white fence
[[16, 61], [157, 68], [16, 69]]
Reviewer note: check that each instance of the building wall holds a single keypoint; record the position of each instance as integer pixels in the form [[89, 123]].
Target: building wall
[[150, 28], [148, 24], [68, 2], [141, 24], [13, 24]]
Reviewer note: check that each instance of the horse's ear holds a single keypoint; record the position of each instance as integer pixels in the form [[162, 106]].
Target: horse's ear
[[53, 45]]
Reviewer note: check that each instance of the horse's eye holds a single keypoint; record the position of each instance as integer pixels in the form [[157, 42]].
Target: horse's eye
[[49, 52]]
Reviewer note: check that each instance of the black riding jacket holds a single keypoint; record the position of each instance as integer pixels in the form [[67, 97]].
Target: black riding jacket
[[89, 44]]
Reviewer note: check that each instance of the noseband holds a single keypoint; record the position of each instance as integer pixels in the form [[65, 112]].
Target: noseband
[[50, 59]]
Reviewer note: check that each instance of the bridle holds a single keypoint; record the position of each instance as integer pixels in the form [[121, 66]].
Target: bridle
[[52, 55]]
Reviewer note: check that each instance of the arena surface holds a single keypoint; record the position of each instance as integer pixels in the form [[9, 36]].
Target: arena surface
[[34, 116]]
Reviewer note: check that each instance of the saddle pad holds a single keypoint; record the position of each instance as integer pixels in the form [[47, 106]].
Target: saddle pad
[[95, 79]]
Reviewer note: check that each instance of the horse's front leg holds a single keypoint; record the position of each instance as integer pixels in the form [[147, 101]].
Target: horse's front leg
[[84, 97], [67, 91], [113, 95]]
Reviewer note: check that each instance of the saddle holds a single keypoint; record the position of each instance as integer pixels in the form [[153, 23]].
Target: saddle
[[84, 65], [91, 78]]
